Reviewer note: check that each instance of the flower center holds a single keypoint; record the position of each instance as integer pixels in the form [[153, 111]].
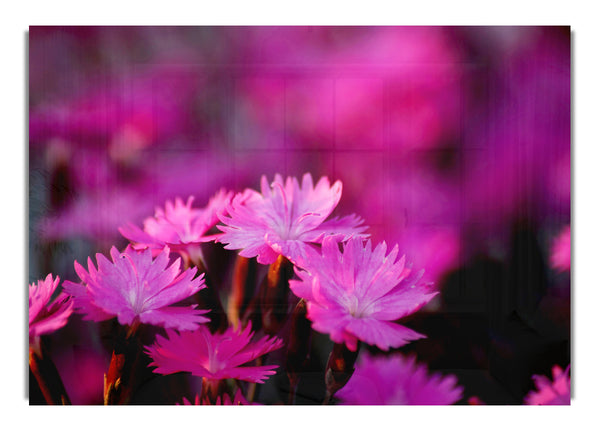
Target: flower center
[[284, 232], [136, 296], [214, 364], [354, 307]]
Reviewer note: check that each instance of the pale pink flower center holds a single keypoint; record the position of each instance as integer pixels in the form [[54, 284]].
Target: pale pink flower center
[[357, 308], [284, 231], [291, 230], [214, 364], [181, 225], [398, 398], [185, 233], [136, 296], [136, 292]]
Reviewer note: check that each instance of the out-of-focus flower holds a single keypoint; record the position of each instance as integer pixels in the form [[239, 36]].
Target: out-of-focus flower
[[94, 216], [106, 114], [284, 218], [435, 248], [178, 226], [557, 392], [213, 356], [46, 316], [406, 78], [137, 287], [356, 294], [238, 400], [416, 208], [97, 211], [523, 170], [561, 250], [398, 380]]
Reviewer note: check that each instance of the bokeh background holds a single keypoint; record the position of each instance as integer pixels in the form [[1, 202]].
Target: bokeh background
[[453, 142]]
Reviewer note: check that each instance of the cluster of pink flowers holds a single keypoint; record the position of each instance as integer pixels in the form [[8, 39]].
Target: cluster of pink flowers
[[354, 292]]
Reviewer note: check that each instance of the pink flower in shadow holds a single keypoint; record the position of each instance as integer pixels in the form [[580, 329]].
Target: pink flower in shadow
[[136, 287], [397, 380], [179, 226], [238, 400], [556, 392], [560, 258], [285, 218], [358, 293], [46, 315], [213, 356]]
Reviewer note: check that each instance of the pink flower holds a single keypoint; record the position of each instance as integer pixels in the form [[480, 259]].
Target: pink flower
[[46, 316], [213, 356], [397, 380], [136, 286], [557, 392], [358, 293], [179, 226], [186, 402], [284, 218], [561, 250], [238, 400]]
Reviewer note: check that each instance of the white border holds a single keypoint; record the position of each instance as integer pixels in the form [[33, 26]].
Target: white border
[[586, 216]]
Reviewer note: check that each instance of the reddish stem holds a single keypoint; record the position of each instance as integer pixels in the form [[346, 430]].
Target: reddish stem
[[242, 285], [47, 377], [298, 347], [274, 294], [119, 381]]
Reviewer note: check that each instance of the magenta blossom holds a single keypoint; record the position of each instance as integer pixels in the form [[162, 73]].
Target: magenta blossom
[[46, 316], [557, 392], [135, 287], [358, 293], [561, 250], [213, 356], [397, 380], [178, 226], [284, 218], [186, 402], [238, 400]]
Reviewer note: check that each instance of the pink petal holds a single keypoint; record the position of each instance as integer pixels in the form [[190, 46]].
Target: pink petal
[[181, 318], [382, 334]]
